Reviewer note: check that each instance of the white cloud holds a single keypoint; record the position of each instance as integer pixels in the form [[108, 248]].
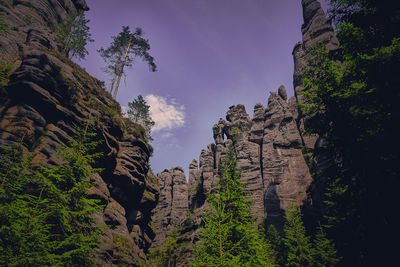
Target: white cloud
[[166, 135], [166, 114], [124, 110]]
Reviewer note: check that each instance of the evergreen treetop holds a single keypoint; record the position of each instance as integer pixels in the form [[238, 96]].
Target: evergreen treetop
[[229, 237]]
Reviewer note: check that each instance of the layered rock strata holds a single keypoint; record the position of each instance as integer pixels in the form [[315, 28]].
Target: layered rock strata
[[47, 94], [173, 203], [267, 146], [268, 151]]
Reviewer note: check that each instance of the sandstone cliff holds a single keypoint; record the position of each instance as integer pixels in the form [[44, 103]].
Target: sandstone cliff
[[173, 203], [268, 146], [47, 94], [315, 30]]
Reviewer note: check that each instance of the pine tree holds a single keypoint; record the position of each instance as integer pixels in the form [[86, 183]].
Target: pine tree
[[229, 237], [297, 244], [275, 241], [126, 46], [45, 214], [324, 253], [74, 33], [139, 112], [354, 106]]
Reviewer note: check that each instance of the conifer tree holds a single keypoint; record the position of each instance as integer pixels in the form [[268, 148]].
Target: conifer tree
[[45, 214], [126, 46], [139, 112], [229, 237], [297, 244], [354, 105], [325, 254], [74, 33], [275, 241]]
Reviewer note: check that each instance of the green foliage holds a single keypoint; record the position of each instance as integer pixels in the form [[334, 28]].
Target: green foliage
[[3, 27], [126, 46], [354, 105], [235, 133], [275, 241], [29, 15], [324, 252], [5, 71], [297, 243], [163, 256], [229, 237], [44, 212], [139, 112], [74, 33], [7, 2]]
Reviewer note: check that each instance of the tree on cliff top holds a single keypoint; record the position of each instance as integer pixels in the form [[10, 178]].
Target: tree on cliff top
[[74, 33], [229, 237], [126, 46], [139, 113]]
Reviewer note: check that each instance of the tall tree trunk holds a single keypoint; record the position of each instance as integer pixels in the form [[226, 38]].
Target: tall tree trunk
[[114, 76], [121, 70]]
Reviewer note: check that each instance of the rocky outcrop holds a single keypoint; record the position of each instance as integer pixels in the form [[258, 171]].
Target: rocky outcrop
[[46, 96], [268, 151], [316, 29], [269, 154], [268, 146], [173, 203]]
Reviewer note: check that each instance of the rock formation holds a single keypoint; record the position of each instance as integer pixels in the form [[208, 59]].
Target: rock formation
[[316, 29], [173, 202], [268, 151], [267, 146], [47, 94]]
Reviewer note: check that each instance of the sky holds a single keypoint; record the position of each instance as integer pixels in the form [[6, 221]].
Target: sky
[[210, 54]]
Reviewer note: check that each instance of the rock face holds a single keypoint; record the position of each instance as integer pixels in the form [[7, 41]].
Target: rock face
[[316, 29], [46, 95], [173, 203], [267, 146], [268, 151]]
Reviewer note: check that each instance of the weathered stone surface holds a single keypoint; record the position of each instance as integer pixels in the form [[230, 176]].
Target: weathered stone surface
[[268, 146], [48, 94], [268, 151], [282, 92], [285, 172], [173, 203], [316, 29]]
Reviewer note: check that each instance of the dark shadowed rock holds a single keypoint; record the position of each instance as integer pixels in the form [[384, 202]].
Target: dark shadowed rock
[[47, 95]]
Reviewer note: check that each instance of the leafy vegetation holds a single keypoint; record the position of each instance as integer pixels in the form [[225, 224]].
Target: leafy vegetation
[[3, 27], [354, 105], [5, 71], [74, 33], [45, 212], [126, 46], [164, 255]]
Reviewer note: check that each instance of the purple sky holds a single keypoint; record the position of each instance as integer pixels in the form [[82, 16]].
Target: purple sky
[[210, 55]]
